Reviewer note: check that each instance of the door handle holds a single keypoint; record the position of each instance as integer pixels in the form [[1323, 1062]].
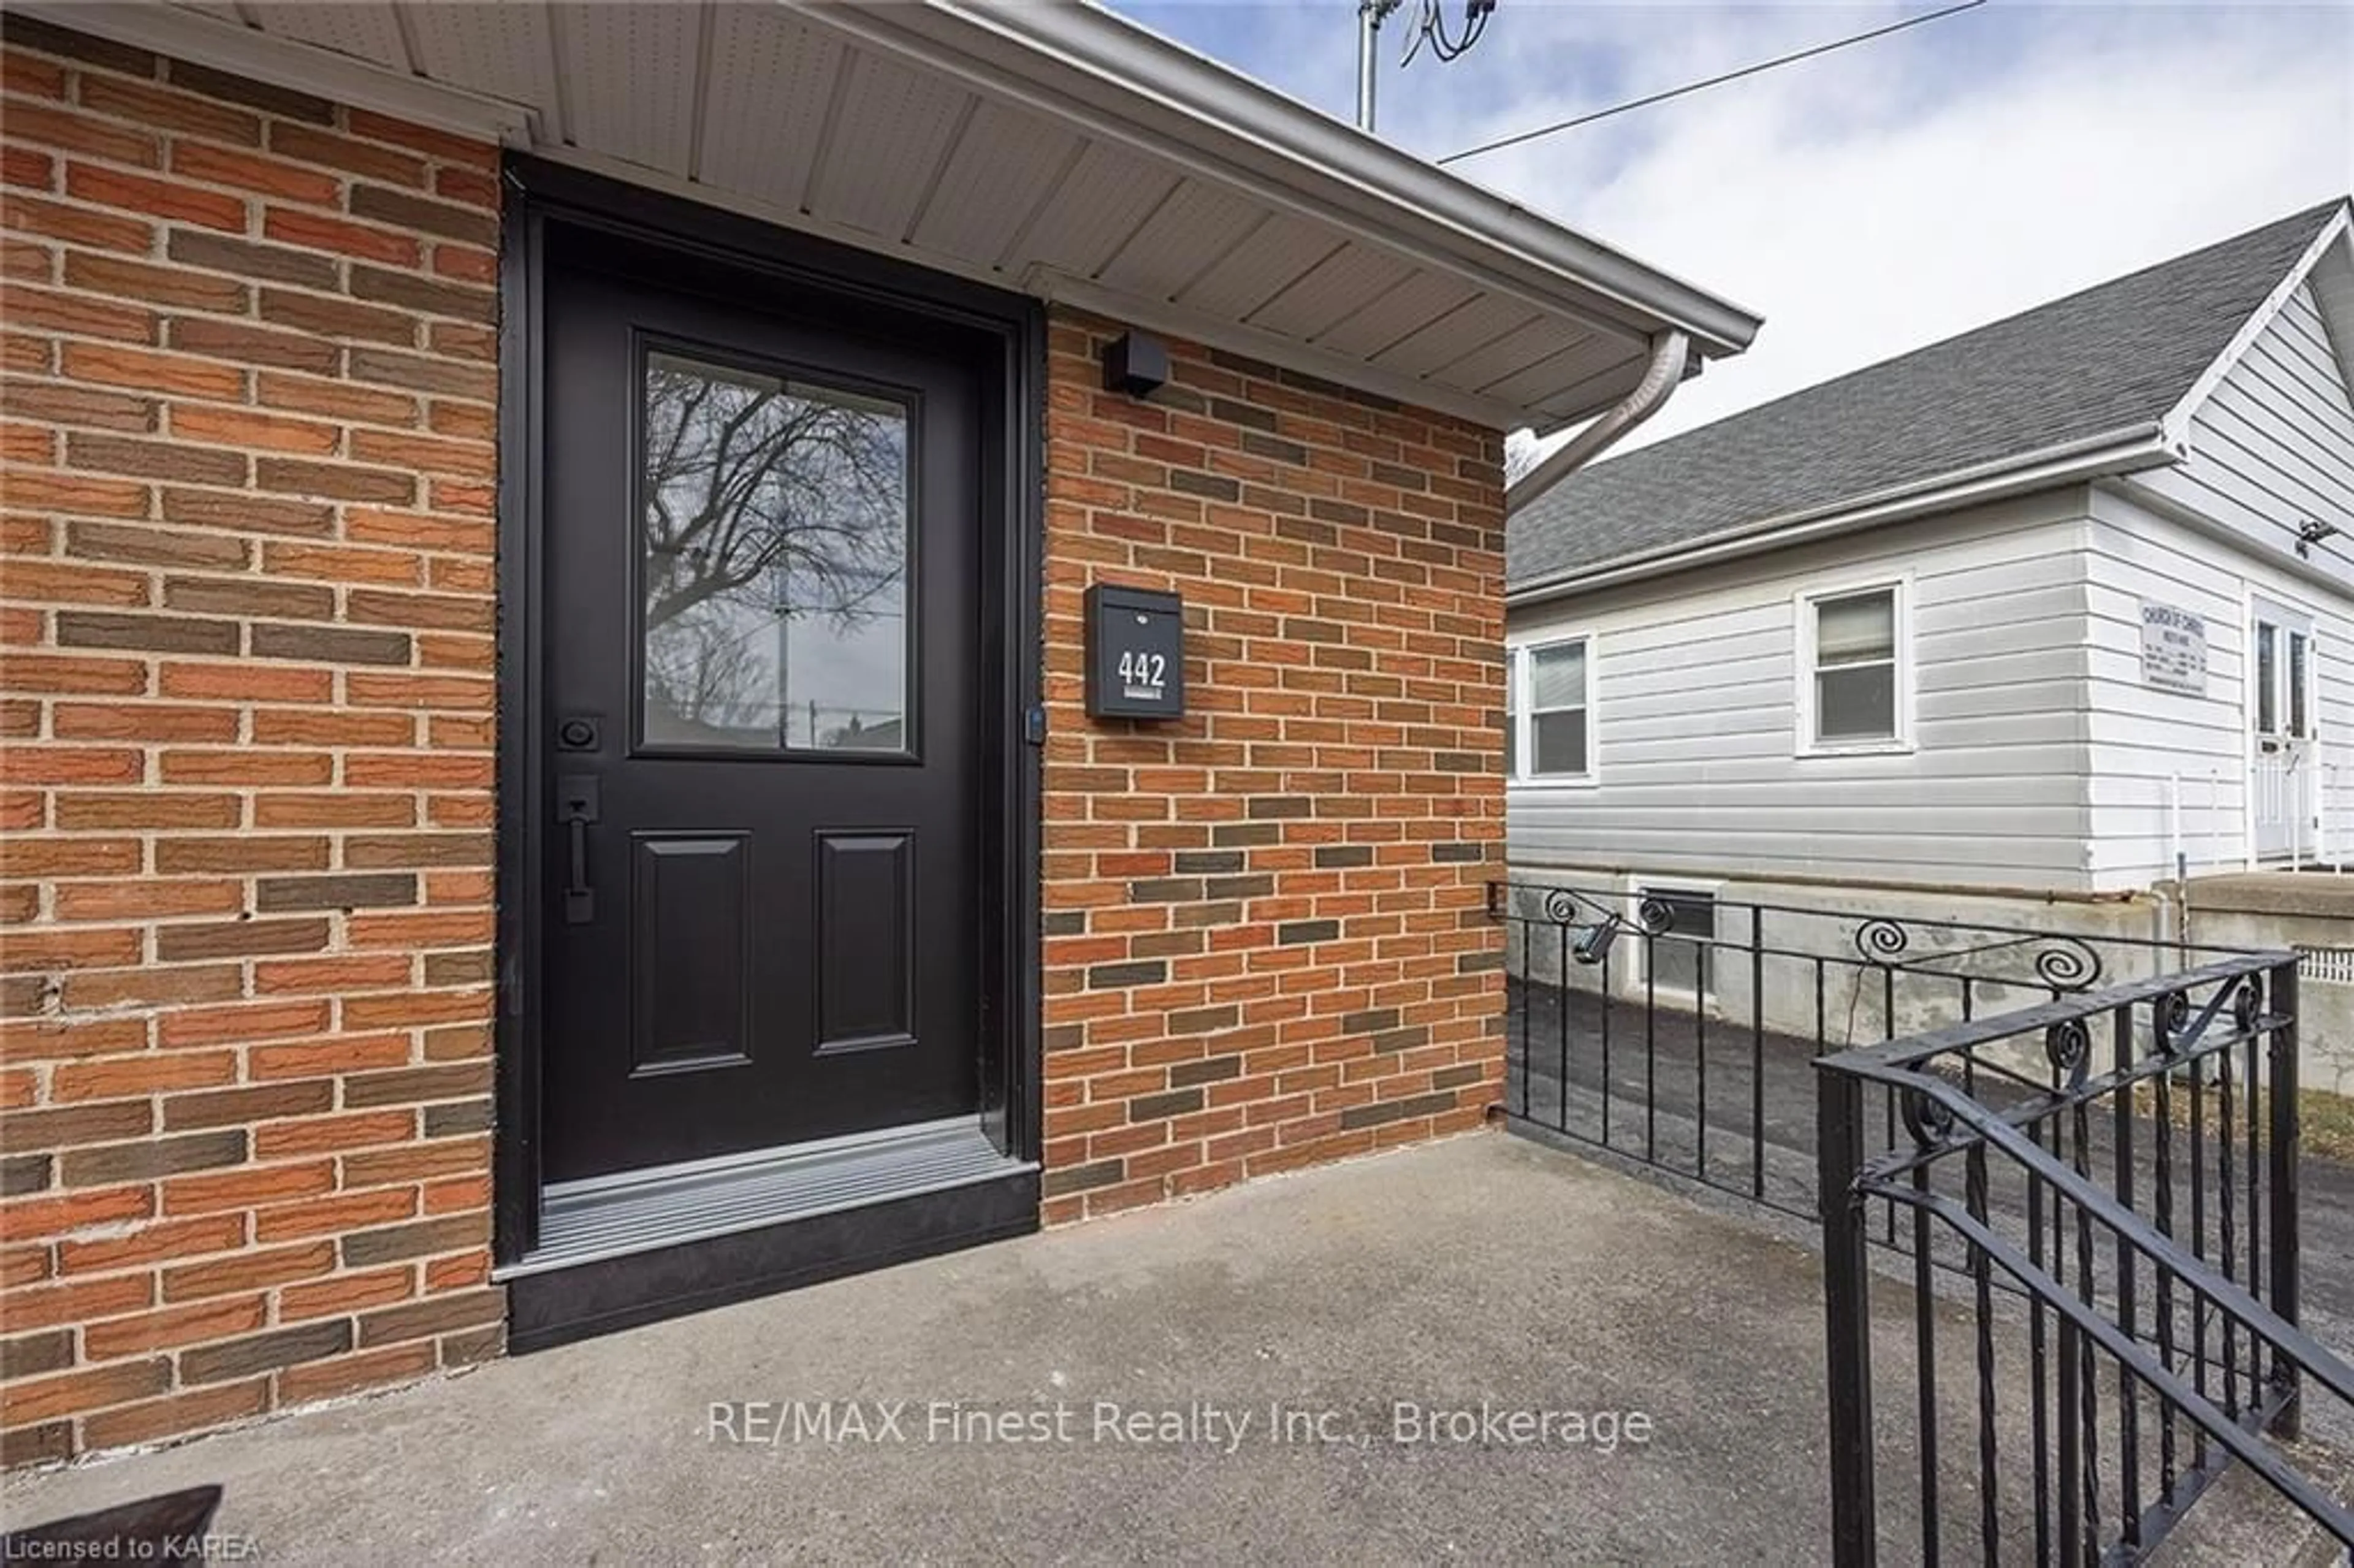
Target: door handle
[[575, 807]]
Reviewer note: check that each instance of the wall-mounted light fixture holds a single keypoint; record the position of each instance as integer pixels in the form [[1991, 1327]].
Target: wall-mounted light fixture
[[1135, 364], [2312, 532]]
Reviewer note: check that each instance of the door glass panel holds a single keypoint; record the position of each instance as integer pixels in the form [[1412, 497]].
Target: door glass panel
[[2268, 679], [772, 562], [2297, 647]]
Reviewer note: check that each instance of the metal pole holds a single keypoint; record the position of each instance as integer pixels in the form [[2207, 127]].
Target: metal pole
[[2285, 1151], [1847, 1315], [1369, 28], [2174, 825]]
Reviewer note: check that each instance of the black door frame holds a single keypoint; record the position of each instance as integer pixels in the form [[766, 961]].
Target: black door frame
[[539, 193]]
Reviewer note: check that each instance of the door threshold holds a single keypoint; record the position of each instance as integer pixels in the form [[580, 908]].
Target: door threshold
[[603, 1217]]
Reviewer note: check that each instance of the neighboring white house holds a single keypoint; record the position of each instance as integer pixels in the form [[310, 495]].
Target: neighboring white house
[[2031, 612]]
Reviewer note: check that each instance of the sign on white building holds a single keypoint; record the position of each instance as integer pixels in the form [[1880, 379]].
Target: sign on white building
[[2173, 648]]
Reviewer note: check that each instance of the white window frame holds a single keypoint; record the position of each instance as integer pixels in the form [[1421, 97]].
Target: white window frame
[[1802, 611], [1519, 662]]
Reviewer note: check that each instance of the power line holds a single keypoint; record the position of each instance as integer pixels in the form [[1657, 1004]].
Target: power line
[[1712, 82]]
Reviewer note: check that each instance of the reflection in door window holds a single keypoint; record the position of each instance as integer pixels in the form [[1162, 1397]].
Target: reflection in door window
[[773, 562], [2267, 681], [2297, 642]]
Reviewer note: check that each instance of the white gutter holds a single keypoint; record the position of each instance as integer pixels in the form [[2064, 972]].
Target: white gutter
[[2126, 451], [1670, 357]]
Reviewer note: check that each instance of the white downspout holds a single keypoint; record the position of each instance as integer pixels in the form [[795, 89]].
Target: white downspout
[[1669, 353]]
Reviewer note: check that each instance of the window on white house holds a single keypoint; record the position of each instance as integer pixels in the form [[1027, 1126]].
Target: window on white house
[[1511, 713], [1854, 638], [1560, 743]]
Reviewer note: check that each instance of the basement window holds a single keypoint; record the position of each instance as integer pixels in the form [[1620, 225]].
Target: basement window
[[1679, 957]]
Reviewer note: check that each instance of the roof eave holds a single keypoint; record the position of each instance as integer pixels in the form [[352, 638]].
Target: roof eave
[[1087, 68], [1261, 137], [2127, 450]]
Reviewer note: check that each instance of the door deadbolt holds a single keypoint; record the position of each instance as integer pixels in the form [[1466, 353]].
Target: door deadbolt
[[577, 734]]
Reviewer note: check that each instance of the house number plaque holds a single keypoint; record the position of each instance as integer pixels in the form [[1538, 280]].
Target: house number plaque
[[1136, 653]]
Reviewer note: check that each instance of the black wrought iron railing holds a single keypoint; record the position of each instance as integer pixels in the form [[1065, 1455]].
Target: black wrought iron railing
[[1678, 1029], [2111, 1177]]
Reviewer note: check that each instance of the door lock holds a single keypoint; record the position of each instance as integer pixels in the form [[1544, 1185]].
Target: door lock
[[576, 805]]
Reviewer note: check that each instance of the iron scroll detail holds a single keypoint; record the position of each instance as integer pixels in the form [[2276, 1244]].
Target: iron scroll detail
[[2054, 959], [2069, 1046]]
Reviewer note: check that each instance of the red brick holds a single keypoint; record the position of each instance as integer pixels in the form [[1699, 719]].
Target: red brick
[[152, 900], [316, 231], [437, 144], [75, 583], [73, 133], [247, 682], [161, 198], [324, 1134], [241, 1025], [238, 427], [313, 145], [71, 1393], [25, 167], [31, 76], [331, 1217], [348, 1374], [152, 1244], [151, 372], [153, 1073], [79, 1301], [163, 109], [248, 1188], [247, 1271], [73, 674], [96, 721], [76, 225], [176, 1415], [247, 171]]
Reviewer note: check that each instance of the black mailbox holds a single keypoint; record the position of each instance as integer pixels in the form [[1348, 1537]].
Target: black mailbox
[[1136, 653]]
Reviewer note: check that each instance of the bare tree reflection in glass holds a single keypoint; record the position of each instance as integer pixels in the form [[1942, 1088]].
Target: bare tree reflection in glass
[[774, 562]]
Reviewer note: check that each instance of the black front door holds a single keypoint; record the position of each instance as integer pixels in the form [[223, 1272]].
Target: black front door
[[761, 690]]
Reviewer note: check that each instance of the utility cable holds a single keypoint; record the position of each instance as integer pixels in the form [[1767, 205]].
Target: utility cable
[[1515, 139]]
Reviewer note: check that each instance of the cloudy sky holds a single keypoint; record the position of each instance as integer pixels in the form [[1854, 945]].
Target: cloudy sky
[[1875, 199]]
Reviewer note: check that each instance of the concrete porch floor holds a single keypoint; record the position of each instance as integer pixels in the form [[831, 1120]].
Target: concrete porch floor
[[1484, 1267]]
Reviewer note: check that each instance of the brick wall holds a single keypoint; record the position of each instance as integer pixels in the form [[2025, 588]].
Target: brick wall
[[1265, 944], [246, 692], [246, 686]]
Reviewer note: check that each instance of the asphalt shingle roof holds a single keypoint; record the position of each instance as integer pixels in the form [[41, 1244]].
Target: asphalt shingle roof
[[2116, 356]]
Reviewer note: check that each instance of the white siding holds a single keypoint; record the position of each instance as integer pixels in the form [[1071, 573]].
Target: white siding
[[2144, 737], [2272, 446], [1695, 716]]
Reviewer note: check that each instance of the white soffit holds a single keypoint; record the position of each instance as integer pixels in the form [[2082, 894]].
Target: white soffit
[[1049, 147]]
